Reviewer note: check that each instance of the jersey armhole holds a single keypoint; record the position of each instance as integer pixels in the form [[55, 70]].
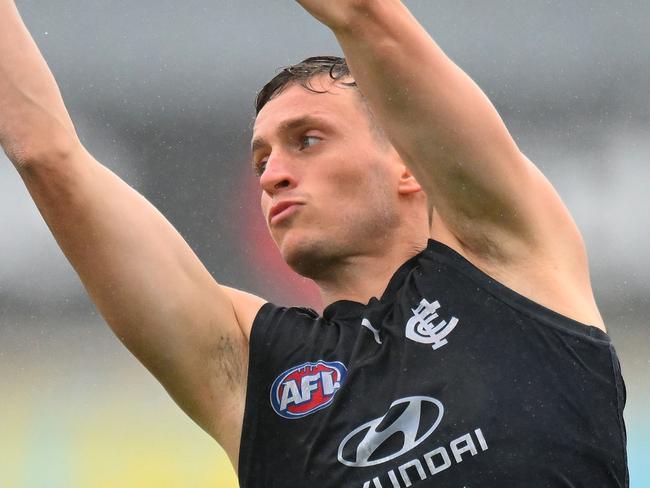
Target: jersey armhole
[[621, 397], [513, 299], [249, 423]]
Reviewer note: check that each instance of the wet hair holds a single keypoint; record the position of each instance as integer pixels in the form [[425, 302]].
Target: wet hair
[[303, 73]]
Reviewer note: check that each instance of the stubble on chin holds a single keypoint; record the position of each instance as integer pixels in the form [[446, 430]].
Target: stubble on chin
[[311, 256]]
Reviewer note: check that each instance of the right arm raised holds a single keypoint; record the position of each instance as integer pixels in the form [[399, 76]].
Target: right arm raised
[[188, 330]]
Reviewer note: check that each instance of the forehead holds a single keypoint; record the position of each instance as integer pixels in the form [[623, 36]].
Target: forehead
[[337, 104]]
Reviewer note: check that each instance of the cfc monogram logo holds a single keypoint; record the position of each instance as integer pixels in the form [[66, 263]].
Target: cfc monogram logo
[[422, 327]]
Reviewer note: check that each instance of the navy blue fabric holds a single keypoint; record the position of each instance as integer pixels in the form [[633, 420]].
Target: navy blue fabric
[[487, 389]]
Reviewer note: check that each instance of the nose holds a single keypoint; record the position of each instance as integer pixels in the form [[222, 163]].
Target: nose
[[277, 175]]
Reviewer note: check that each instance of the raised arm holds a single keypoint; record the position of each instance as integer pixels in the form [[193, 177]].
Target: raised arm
[[189, 331], [496, 203], [489, 201]]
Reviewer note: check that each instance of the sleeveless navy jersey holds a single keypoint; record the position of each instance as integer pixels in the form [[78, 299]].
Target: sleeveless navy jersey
[[449, 380]]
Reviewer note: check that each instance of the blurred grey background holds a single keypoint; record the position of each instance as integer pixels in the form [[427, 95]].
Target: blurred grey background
[[162, 93]]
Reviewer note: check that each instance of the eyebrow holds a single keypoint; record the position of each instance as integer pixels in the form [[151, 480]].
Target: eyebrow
[[288, 126]]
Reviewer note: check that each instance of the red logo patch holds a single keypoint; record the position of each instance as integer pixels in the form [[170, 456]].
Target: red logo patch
[[305, 389]]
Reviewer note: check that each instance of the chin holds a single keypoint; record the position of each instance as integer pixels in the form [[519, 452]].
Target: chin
[[308, 255]]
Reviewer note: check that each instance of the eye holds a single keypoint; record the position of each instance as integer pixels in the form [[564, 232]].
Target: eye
[[308, 141], [259, 167], [305, 142]]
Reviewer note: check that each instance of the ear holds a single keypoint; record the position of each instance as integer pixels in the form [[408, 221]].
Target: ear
[[407, 182]]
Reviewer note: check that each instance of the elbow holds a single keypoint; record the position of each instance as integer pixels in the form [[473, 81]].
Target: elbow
[[35, 148], [356, 16]]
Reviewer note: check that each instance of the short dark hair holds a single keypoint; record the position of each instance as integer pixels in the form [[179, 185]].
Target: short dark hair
[[302, 73]]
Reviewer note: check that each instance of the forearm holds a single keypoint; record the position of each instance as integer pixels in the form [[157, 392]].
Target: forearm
[[33, 118], [407, 77]]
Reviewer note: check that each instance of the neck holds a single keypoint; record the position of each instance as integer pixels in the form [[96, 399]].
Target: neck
[[362, 277]]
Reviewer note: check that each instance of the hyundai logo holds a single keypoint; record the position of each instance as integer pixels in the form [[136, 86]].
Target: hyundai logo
[[358, 447]]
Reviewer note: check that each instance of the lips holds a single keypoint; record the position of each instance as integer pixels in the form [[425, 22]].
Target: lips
[[281, 209]]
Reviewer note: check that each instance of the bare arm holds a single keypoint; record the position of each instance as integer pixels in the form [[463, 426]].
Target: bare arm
[[495, 201], [31, 108], [188, 330], [489, 200]]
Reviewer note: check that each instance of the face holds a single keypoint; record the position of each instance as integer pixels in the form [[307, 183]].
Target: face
[[318, 150]]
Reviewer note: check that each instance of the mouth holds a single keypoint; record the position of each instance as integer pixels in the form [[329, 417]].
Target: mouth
[[281, 211]]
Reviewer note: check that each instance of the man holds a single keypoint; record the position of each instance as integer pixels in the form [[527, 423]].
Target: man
[[453, 349]]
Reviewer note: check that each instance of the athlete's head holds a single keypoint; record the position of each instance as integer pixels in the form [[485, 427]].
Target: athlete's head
[[317, 143]]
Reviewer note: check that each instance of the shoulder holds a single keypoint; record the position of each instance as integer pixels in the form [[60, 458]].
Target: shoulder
[[557, 278], [246, 307]]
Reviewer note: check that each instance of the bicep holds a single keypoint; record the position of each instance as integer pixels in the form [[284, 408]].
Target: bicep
[[149, 286], [510, 212]]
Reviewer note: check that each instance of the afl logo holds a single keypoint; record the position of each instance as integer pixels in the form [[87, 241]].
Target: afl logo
[[305, 389]]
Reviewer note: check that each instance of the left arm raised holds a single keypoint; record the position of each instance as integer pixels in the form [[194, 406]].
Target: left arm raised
[[490, 196]]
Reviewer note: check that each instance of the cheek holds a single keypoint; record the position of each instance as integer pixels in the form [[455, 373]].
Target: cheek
[[362, 195], [362, 177], [347, 195], [350, 182]]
